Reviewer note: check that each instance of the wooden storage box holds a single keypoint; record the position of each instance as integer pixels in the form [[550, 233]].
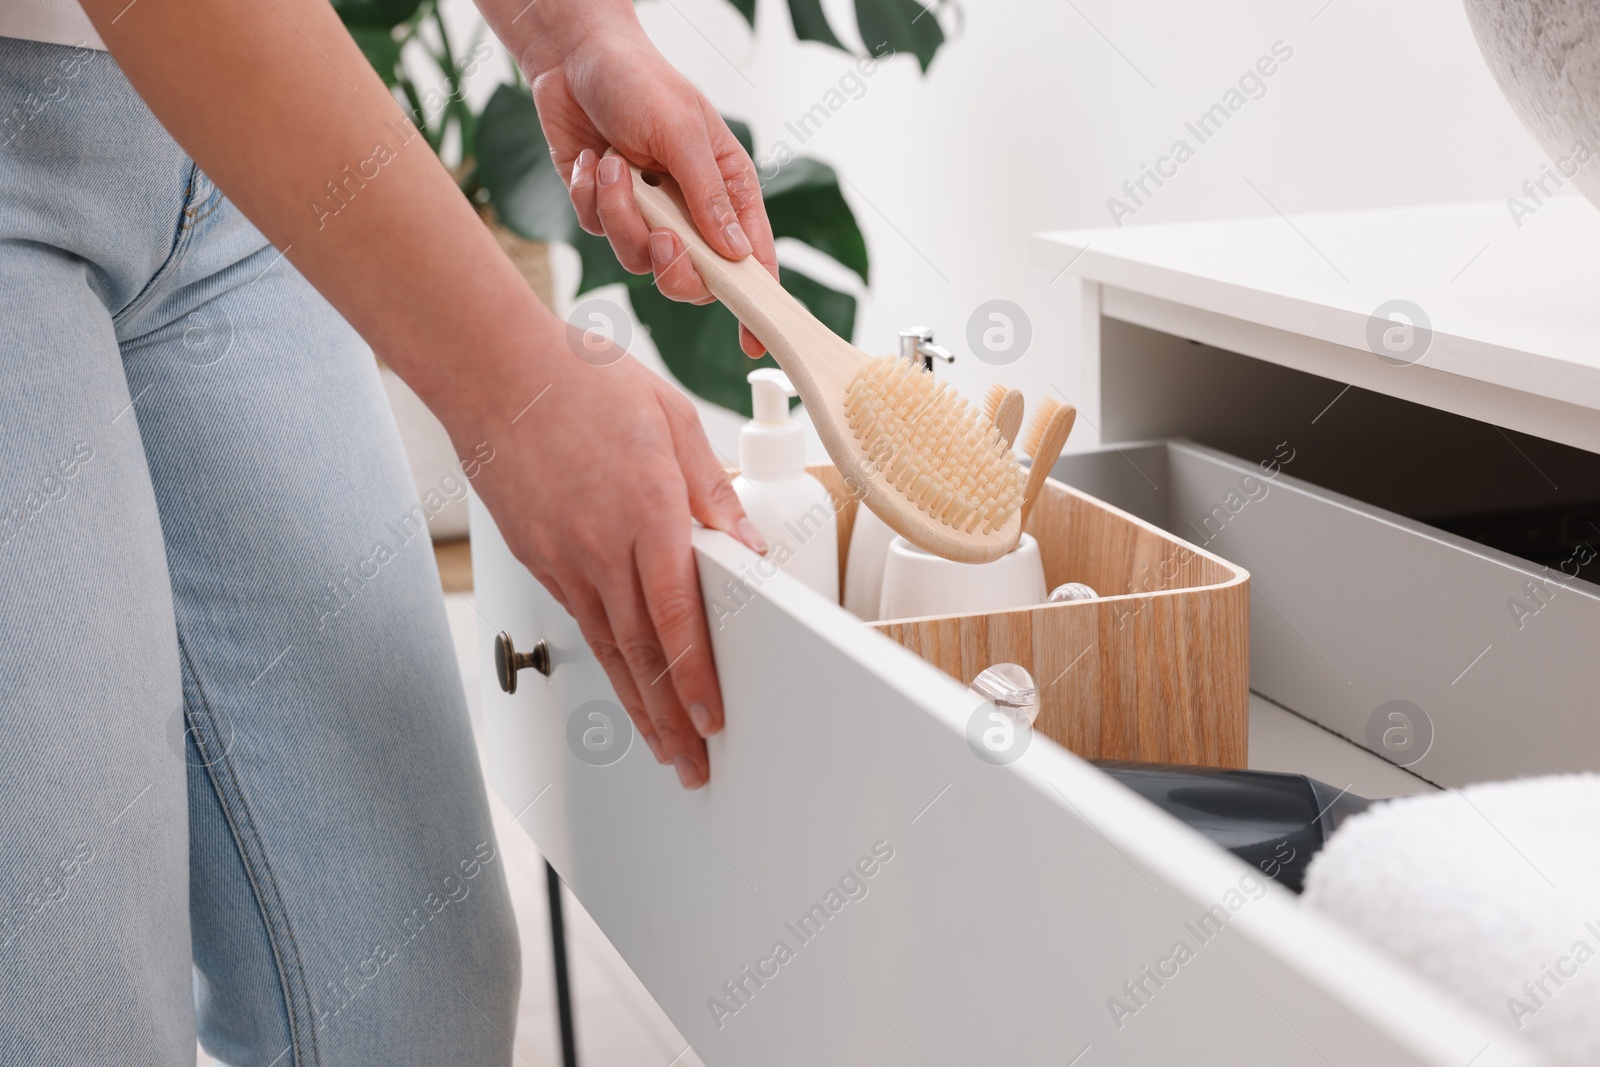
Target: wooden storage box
[[1157, 669]]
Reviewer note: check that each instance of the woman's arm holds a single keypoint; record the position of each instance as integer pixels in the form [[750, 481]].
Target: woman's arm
[[595, 483]]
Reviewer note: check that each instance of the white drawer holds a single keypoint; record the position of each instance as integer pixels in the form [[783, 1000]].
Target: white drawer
[[1017, 903]]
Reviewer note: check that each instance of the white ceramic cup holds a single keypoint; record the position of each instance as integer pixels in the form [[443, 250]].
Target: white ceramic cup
[[918, 583], [863, 570]]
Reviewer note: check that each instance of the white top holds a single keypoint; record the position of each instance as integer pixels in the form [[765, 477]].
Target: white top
[[1513, 307], [50, 21]]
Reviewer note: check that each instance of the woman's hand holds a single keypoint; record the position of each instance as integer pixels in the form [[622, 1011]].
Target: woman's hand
[[593, 487], [599, 83]]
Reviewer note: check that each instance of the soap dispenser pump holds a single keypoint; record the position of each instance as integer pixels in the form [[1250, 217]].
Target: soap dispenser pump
[[793, 511]]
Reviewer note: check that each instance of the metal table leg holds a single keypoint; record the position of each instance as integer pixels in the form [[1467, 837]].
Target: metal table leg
[[558, 952]]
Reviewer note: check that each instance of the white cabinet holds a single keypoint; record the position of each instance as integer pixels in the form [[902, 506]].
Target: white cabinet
[[1007, 906], [1033, 914]]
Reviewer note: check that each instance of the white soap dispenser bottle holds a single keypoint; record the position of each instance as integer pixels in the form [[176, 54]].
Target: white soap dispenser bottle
[[793, 511]]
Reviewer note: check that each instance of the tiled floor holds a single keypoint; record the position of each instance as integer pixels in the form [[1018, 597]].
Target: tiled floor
[[619, 1024]]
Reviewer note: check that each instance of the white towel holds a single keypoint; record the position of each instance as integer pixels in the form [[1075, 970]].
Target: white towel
[[1493, 891]]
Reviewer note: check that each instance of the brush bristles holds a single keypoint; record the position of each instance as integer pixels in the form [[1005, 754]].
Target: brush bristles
[[933, 447], [992, 402], [1040, 422]]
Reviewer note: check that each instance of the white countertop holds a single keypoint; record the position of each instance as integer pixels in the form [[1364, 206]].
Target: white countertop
[[1513, 309]]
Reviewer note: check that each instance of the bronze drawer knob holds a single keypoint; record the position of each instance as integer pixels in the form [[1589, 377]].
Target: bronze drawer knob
[[508, 661]]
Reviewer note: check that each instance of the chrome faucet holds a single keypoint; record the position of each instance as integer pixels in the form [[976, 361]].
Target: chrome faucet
[[916, 344]]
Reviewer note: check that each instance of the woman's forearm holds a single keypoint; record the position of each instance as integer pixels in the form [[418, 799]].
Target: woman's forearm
[[278, 106], [540, 32]]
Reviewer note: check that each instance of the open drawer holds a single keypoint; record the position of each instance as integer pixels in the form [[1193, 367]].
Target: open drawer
[[1359, 614], [855, 886]]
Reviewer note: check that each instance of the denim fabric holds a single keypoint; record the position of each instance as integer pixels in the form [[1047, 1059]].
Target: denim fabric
[[238, 789]]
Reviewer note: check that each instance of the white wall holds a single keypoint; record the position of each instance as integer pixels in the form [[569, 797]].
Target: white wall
[[1037, 110]]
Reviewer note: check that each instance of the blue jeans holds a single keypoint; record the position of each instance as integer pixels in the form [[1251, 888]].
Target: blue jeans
[[238, 787]]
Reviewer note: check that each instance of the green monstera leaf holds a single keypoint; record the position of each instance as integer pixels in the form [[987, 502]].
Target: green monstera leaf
[[887, 27], [699, 344], [810, 24], [382, 49], [529, 197], [741, 132], [382, 14], [514, 166], [804, 202], [901, 25]]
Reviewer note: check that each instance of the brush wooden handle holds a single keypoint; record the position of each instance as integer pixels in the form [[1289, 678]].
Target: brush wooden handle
[[742, 284], [1008, 418], [1046, 454]]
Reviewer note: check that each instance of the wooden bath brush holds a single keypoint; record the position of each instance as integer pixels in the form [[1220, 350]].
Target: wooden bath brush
[[931, 467]]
